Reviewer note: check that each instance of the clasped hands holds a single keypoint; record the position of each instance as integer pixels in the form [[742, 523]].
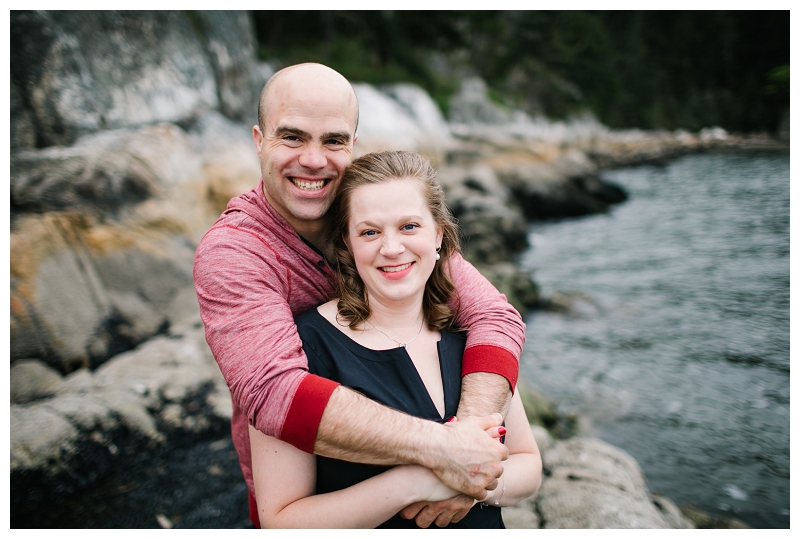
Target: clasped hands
[[470, 463]]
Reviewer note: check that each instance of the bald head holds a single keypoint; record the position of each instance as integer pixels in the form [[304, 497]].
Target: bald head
[[309, 83]]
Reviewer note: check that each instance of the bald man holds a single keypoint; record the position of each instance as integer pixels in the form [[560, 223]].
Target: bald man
[[266, 260]]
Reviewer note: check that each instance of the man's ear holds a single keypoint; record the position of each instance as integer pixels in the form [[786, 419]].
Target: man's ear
[[355, 138], [258, 138]]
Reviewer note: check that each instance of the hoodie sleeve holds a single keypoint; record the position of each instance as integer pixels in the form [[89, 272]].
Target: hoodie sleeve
[[496, 331], [243, 289]]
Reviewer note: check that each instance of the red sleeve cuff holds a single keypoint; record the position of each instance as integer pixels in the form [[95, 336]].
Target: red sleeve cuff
[[305, 412], [493, 359]]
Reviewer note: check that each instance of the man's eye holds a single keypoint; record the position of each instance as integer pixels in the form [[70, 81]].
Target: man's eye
[[336, 142], [291, 138]]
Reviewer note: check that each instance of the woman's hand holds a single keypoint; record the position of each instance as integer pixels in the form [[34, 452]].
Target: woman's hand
[[427, 485]]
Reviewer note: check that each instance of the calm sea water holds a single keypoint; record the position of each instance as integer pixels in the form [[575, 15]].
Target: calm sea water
[[678, 349]]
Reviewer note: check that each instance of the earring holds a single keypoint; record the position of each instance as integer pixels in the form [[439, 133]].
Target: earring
[[438, 256]]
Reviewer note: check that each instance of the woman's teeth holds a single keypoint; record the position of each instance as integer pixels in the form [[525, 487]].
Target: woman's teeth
[[395, 268]]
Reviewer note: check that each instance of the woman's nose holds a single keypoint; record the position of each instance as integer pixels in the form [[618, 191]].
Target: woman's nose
[[392, 245]]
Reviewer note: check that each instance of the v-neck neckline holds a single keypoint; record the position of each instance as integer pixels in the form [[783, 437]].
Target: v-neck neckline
[[405, 363]]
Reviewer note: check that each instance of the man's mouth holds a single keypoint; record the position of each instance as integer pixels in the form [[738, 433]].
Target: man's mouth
[[307, 185], [394, 269]]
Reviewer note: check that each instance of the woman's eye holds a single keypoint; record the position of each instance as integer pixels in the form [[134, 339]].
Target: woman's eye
[[369, 233], [409, 226]]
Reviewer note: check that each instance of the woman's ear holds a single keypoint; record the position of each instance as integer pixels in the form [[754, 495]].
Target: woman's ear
[[439, 236]]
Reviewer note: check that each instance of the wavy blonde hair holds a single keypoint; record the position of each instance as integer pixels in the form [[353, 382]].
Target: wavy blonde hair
[[379, 167]]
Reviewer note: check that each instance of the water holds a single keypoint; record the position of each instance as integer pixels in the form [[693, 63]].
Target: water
[[677, 349]]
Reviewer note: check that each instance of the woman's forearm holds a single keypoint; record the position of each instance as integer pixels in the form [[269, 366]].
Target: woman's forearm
[[522, 477], [364, 505], [522, 472]]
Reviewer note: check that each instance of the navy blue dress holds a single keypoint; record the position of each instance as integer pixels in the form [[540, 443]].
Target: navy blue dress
[[389, 377]]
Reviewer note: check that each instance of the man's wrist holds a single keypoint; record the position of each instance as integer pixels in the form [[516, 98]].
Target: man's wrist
[[483, 394], [434, 446]]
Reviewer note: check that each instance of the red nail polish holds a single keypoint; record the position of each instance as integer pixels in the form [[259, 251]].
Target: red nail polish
[[451, 419], [502, 431]]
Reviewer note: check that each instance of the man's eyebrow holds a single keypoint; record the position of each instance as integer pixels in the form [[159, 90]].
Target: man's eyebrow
[[344, 136], [282, 130]]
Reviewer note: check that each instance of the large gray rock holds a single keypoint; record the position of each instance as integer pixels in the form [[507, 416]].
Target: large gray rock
[[471, 105], [493, 227], [568, 186], [23, 130], [84, 283], [230, 41], [31, 379], [103, 171], [383, 124], [592, 484], [169, 383], [230, 162], [437, 139], [82, 291], [404, 117], [85, 71]]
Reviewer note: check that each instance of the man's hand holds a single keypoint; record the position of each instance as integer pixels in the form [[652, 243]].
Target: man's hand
[[470, 460], [442, 513]]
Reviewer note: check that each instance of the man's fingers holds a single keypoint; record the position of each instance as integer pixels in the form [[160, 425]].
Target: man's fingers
[[426, 517], [444, 519], [489, 421], [411, 511], [443, 512], [461, 514], [481, 494]]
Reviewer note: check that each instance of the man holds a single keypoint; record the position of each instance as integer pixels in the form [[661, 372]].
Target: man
[[263, 262]]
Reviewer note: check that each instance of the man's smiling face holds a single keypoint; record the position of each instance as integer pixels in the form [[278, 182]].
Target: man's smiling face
[[310, 121]]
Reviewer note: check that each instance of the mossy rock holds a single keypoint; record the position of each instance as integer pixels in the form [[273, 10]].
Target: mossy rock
[[542, 411]]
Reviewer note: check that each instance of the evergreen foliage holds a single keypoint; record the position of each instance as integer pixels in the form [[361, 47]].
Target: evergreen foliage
[[646, 69]]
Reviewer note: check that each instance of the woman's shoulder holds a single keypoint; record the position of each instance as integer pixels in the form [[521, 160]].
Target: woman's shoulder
[[454, 338], [320, 323], [328, 310]]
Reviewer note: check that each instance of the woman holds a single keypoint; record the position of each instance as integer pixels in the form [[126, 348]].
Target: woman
[[388, 336]]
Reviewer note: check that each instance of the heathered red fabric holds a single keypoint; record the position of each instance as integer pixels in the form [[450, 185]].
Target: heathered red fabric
[[253, 273]]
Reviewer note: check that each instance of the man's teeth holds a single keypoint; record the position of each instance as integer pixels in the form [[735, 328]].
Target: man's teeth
[[396, 268], [308, 186]]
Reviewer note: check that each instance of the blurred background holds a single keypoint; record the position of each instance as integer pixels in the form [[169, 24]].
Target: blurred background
[[643, 69], [623, 177]]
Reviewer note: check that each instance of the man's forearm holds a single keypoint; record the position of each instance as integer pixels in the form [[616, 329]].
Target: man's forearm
[[357, 429], [464, 455], [484, 393]]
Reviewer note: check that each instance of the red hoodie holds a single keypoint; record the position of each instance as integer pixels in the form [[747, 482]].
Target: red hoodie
[[253, 273]]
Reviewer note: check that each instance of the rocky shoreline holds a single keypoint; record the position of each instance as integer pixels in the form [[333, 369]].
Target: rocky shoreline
[[119, 415]]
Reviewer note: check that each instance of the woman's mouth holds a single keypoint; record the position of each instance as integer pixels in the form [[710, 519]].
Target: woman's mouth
[[395, 269]]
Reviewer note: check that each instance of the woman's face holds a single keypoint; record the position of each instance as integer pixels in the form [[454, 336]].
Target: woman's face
[[393, 238]]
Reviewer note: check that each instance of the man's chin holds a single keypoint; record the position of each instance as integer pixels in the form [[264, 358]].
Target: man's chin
[[311, 210]]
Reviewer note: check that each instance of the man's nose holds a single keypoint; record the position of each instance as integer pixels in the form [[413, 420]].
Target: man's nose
[[313, 157]]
